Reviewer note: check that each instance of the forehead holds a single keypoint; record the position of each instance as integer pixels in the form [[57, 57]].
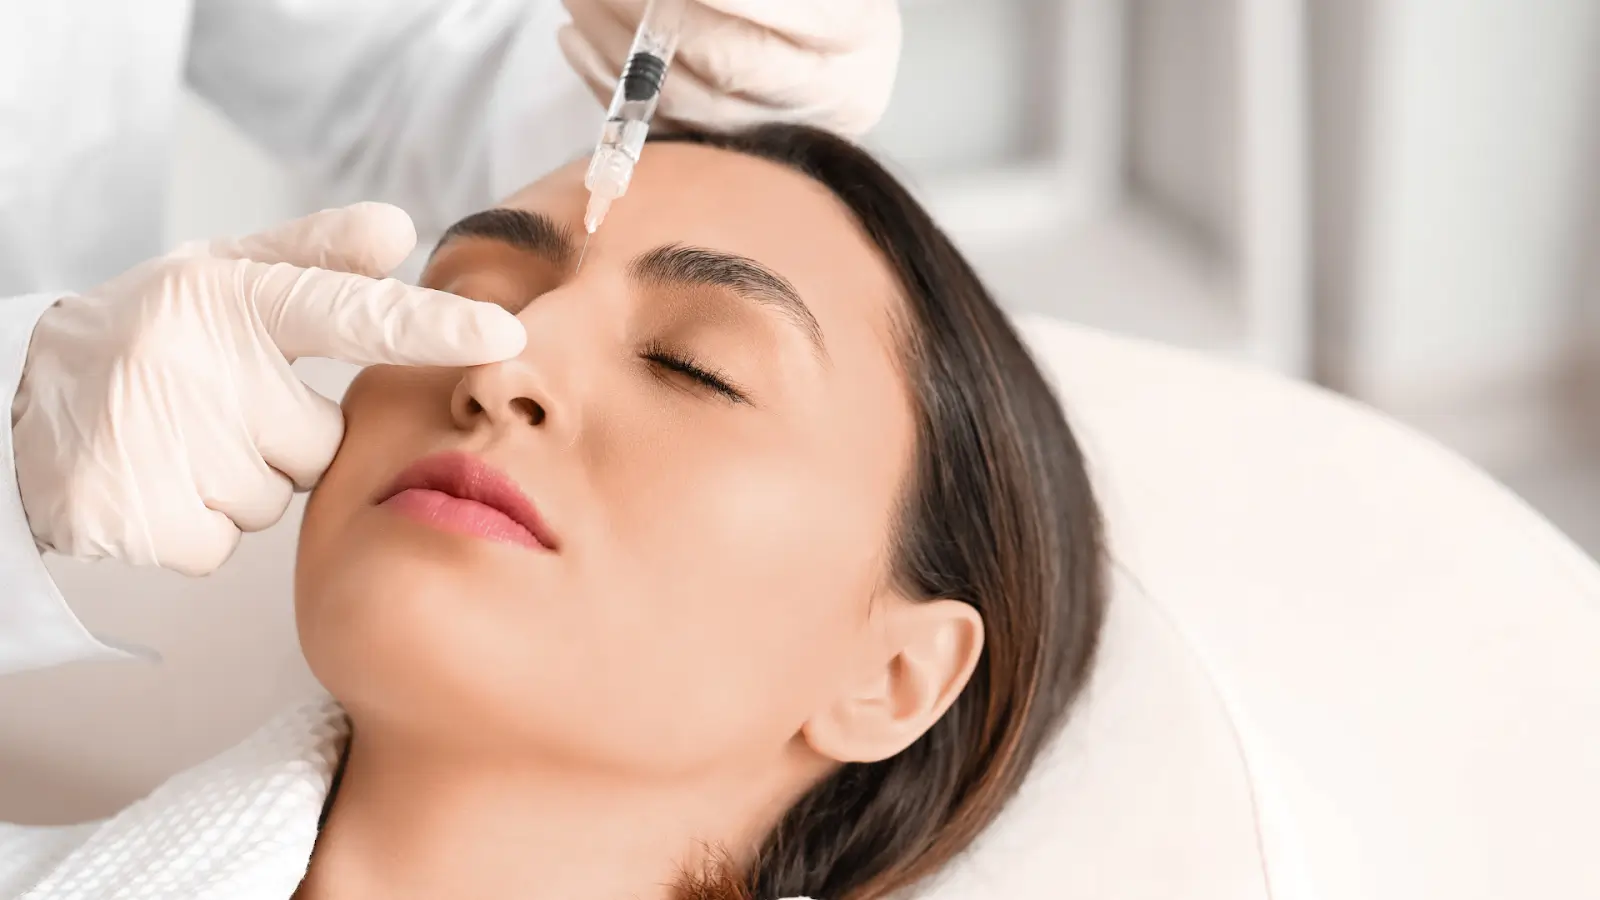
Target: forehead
[[722, 200]]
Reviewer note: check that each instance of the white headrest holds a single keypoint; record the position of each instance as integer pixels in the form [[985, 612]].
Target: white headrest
[[1340, 663]]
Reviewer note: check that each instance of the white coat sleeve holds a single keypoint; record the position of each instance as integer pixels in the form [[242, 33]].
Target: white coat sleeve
[[438, 106], [37, 628]]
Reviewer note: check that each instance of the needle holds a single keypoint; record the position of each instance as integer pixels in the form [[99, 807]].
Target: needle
[[583, 252]]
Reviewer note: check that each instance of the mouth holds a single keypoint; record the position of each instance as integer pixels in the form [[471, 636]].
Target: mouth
[[460, 493]]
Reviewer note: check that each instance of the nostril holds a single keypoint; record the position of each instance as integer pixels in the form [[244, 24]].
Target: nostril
[[529, 410], [474, 408]]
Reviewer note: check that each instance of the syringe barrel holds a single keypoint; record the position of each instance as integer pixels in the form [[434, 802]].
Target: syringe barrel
[[654, 44], [633, 105]]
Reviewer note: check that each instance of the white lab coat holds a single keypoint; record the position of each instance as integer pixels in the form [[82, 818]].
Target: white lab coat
[[240, 826], [439, 106]]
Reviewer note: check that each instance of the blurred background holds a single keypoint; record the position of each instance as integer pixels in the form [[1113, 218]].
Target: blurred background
[[1397, 199]]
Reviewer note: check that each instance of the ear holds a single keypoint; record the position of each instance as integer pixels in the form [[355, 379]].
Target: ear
[[923, 655]]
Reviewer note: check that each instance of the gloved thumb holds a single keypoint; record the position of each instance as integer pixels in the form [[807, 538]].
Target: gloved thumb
[[367, 321], [365, 238]]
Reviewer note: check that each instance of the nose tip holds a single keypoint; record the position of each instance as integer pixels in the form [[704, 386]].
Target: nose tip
[[503, 393]]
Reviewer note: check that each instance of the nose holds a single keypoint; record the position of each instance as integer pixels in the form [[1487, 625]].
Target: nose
[[547, 388], [507, 395]]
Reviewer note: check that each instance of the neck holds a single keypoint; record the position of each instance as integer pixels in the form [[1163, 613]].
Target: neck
[[414, 821]]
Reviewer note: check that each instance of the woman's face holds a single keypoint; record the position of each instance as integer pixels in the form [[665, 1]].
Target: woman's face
[[710, 422]]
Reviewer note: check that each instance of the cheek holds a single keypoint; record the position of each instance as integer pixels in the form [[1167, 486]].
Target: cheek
[[344, 568], [752, 523], [386, 417], [441, 636], [741, 583]]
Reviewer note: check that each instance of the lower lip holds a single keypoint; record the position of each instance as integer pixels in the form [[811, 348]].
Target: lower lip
[[468, 517]]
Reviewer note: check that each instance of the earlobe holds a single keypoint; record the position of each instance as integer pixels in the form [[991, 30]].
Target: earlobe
[[928, 653]]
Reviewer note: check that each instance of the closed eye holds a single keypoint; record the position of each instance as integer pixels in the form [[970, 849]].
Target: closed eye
[[685, 365]]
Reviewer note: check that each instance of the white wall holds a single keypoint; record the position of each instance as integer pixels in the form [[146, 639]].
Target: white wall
[[1455, 166], [1480, 154], [955, 109], [1183, 121], [221, 183]]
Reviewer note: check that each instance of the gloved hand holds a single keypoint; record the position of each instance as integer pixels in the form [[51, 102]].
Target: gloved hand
[[157, 415], [829, 63]]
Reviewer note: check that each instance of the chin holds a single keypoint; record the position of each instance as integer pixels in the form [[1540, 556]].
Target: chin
[[455, 639], [400, 620]]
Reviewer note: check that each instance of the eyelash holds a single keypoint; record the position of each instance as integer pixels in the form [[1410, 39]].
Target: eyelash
[[684, 364]]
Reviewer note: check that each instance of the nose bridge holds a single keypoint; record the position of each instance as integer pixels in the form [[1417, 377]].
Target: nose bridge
[[554, 322], [543, 386], [573, 316]]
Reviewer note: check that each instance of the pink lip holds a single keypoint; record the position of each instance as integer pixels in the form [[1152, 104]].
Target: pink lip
[[461, 493]]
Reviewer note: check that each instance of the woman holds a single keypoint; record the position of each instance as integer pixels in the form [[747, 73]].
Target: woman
[[765, 571]]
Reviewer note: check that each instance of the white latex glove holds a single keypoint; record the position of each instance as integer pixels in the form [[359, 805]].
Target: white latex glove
[[829, 63], [157, 415]]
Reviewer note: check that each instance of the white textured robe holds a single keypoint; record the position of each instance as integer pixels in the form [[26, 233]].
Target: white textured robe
[[240, 826]]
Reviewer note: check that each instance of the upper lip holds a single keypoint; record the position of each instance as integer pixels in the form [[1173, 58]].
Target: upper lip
[[470, 478]]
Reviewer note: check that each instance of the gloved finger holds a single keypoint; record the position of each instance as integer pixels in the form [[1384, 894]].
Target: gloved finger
[[366, 321], [727, 69], [171, 436], [687, 101], [296, 430], [844, 88], [736, 56], [727, 53], [693, 102], [365, 238], [182, 533], [822, 25], [211, 432], [201, 546], [248, 491], [608, 29]]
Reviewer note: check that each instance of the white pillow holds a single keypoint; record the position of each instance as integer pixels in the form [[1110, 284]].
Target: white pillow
[[1341, 663]]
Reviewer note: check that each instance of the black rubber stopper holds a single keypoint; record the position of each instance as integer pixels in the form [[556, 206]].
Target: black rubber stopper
[[641, 78]]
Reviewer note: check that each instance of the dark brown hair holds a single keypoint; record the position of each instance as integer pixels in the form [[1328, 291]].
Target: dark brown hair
[[998, 513]]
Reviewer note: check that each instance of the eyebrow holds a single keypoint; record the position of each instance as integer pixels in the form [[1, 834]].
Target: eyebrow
[[670, 265], [524, 230], [676, 264]]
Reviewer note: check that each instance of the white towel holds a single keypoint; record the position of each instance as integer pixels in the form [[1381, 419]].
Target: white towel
[[238, 827]]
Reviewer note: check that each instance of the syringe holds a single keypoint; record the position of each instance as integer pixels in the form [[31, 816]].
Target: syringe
[[633, 106]]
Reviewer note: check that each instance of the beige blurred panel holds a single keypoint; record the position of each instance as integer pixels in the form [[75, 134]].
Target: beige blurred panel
[[81, 740]]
